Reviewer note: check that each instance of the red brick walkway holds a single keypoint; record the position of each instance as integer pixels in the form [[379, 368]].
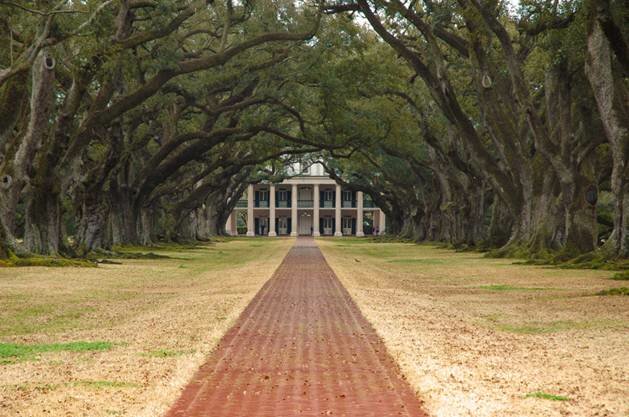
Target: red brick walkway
[[301, 348]]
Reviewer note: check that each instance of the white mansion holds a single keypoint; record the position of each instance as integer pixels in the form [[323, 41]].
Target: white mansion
[[309, 203]]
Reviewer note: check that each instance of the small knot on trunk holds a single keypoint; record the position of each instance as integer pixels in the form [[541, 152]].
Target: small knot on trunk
[[6, 181], [49, 62], [486, 81]]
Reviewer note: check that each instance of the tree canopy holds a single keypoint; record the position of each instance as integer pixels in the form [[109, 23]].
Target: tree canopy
[[130, 121]]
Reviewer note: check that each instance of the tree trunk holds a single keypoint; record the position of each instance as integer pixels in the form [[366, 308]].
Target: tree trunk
[[611, 98], [186, 228], [580, 220], [500, 225], [145, 227], [539, 229], [5, 244], [122, 216], [42, 234], [91, 234]]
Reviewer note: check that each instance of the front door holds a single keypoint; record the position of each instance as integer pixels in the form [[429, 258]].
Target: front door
[[328, 225], [305, 224], [282, 225], [263, 226], [347, 226]]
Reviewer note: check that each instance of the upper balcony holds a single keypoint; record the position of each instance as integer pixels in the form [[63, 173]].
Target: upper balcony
[[368, 203], [324, 203]]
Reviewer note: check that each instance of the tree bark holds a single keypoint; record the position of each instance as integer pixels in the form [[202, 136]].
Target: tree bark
[[611, 98], [91, 233], [42, 234]]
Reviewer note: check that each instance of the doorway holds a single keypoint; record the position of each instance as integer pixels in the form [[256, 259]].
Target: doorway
[[263, 226], [328, 226], [305, 224], [282, 225]]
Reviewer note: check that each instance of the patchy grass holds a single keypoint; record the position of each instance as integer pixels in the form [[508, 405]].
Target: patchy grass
[[11, 352], [621, 276], [106, 384], [175, 305], [558, 326], [427, 261], [43, 261], [546, 396], [505, 287], [165, 353], [469, 327], [614, 291]]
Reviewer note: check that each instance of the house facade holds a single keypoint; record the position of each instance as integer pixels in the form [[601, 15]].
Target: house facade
[[308, 204]]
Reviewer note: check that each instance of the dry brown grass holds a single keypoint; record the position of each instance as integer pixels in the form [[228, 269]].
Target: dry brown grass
[[162, 316], [483, 337]]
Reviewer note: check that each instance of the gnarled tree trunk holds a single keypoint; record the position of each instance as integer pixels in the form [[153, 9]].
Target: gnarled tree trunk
[[611, 98]]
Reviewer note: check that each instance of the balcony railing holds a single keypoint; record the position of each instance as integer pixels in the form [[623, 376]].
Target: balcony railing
[[306, 204]]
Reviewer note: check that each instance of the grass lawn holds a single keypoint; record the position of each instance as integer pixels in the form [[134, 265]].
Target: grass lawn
[[484, 337], [122, 339]]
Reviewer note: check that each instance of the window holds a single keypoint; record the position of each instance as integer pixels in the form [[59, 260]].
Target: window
[[328, 195], [263, 199], [347, 222], [328, 222], [347, 196], [282, 195]]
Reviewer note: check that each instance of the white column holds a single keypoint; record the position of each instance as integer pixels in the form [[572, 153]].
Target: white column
[[383, 223], [272, 232], [359, 214], [250, 221], [228, 225], [337, 212], [315, 211], [293, 211]]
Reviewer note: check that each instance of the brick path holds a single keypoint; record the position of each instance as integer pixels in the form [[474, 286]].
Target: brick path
[[301, 348]]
